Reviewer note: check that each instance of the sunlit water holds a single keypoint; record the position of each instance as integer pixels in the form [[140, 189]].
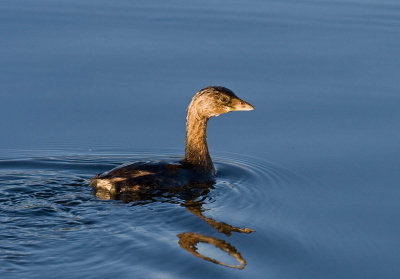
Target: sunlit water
[[313, 171]]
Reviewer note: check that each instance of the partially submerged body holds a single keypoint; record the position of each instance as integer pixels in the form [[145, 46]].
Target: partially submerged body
[[141, 179]]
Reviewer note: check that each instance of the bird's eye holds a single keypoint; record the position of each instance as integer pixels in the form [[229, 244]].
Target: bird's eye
[[224, 99]]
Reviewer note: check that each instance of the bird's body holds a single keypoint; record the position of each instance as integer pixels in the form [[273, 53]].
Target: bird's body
[[195, 171], [141, 179]]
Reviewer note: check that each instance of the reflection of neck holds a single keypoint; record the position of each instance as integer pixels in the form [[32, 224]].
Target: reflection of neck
[[196, 208], [196, 151]]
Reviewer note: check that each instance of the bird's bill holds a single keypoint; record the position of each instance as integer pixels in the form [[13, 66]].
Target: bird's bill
[[240, 105]]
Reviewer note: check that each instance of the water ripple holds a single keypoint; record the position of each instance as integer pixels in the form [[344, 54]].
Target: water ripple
[[50, 218]]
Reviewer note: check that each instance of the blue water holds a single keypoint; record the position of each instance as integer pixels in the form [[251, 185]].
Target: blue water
[[313, 170]]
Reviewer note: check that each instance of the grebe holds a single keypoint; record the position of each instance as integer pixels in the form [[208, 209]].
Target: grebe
[[196, 170]]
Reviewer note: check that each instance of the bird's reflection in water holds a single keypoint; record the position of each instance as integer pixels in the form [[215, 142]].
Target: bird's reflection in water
[[189, 241], [192, 201], [196, 208]]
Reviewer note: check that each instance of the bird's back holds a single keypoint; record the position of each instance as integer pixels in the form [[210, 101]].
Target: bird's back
[[150, 178]]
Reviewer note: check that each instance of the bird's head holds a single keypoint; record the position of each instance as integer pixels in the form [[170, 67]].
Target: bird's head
[[216, 100]]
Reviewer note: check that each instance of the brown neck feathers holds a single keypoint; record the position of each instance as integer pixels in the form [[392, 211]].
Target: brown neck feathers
[[196, 151]]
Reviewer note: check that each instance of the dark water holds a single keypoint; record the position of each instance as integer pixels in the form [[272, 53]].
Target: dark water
[[314, 171]]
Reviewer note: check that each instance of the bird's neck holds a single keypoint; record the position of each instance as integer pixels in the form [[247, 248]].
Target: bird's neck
[[196, 150]]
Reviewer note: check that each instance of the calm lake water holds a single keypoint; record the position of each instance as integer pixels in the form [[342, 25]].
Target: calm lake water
[[314, 170]]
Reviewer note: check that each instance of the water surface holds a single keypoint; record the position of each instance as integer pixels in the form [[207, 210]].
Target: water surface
[[314, 170], [52, 222]]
